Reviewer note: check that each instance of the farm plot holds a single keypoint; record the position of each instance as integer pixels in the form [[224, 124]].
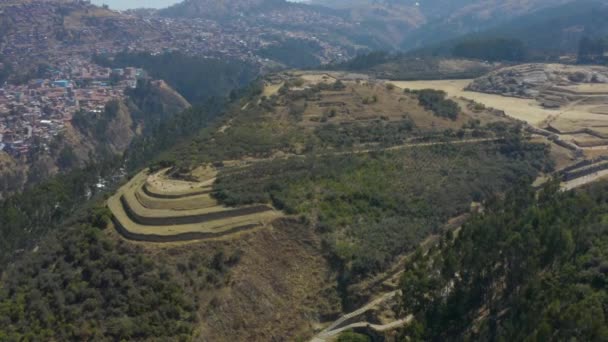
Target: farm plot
[[527, 110], [583, 122], [574, 116], [140, 216]]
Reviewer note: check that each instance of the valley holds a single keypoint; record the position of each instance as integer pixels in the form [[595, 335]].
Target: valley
[[323, 171], [324, 141], [343, 176]]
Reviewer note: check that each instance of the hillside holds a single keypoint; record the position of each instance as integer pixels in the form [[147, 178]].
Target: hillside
[[44, 31], [194, 173], [545, 34], [305, 166], [528, 267], [373, 24], [89, 137], [412, 24], [222, 9]]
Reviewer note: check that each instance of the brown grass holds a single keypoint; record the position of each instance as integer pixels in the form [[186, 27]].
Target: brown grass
[[209, 219], [187, 203]]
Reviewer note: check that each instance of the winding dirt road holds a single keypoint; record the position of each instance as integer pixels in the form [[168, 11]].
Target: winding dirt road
[[343, 324]]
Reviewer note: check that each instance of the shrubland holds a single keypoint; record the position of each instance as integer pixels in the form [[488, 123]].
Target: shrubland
[[371, 207], [436, 102]]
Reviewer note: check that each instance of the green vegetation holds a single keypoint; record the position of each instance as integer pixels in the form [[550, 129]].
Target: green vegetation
[[294, 53], [26, 217], [89, 287], [436, 102], [350, 336], [364, 61], [381, 132], [151, 105], [546, 34], [168, 133], [5, 69], [196, 79], [592, 50], [67, 159], [95, 125], [371, 207], [531, 267], [249, 133], [491, 49]]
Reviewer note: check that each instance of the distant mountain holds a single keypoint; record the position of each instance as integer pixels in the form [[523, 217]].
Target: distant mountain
[[431, 21], [217, 9], [372, 24], [307, 22], [480, 16], [548, 33]]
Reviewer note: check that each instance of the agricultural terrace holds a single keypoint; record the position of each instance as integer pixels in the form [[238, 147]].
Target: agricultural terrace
[[158, 208], [570, 113], [315, 100], [528, 110]]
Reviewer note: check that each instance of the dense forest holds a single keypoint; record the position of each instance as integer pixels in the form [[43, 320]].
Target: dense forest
[[294, 53], [26, 217], [196, 79], [168, 133], [496, 49], [372, 207], [530, 267], [81, 284]]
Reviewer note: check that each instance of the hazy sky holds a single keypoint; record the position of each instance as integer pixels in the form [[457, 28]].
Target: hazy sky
[[126, 4]]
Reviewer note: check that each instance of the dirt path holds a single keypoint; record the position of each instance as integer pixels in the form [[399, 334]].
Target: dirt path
[[376, 327], [372, 150], [341, 324], [413, 145], [578, 182]]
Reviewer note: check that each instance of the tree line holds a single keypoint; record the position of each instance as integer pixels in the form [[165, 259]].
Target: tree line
[[530, 267]]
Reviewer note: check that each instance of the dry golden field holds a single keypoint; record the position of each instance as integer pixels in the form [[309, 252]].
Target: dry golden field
[[146, 217], [573, 117]]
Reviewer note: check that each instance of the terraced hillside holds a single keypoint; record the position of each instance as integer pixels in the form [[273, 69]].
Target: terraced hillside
[[563, 105], [156, 208], [364, 171]]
